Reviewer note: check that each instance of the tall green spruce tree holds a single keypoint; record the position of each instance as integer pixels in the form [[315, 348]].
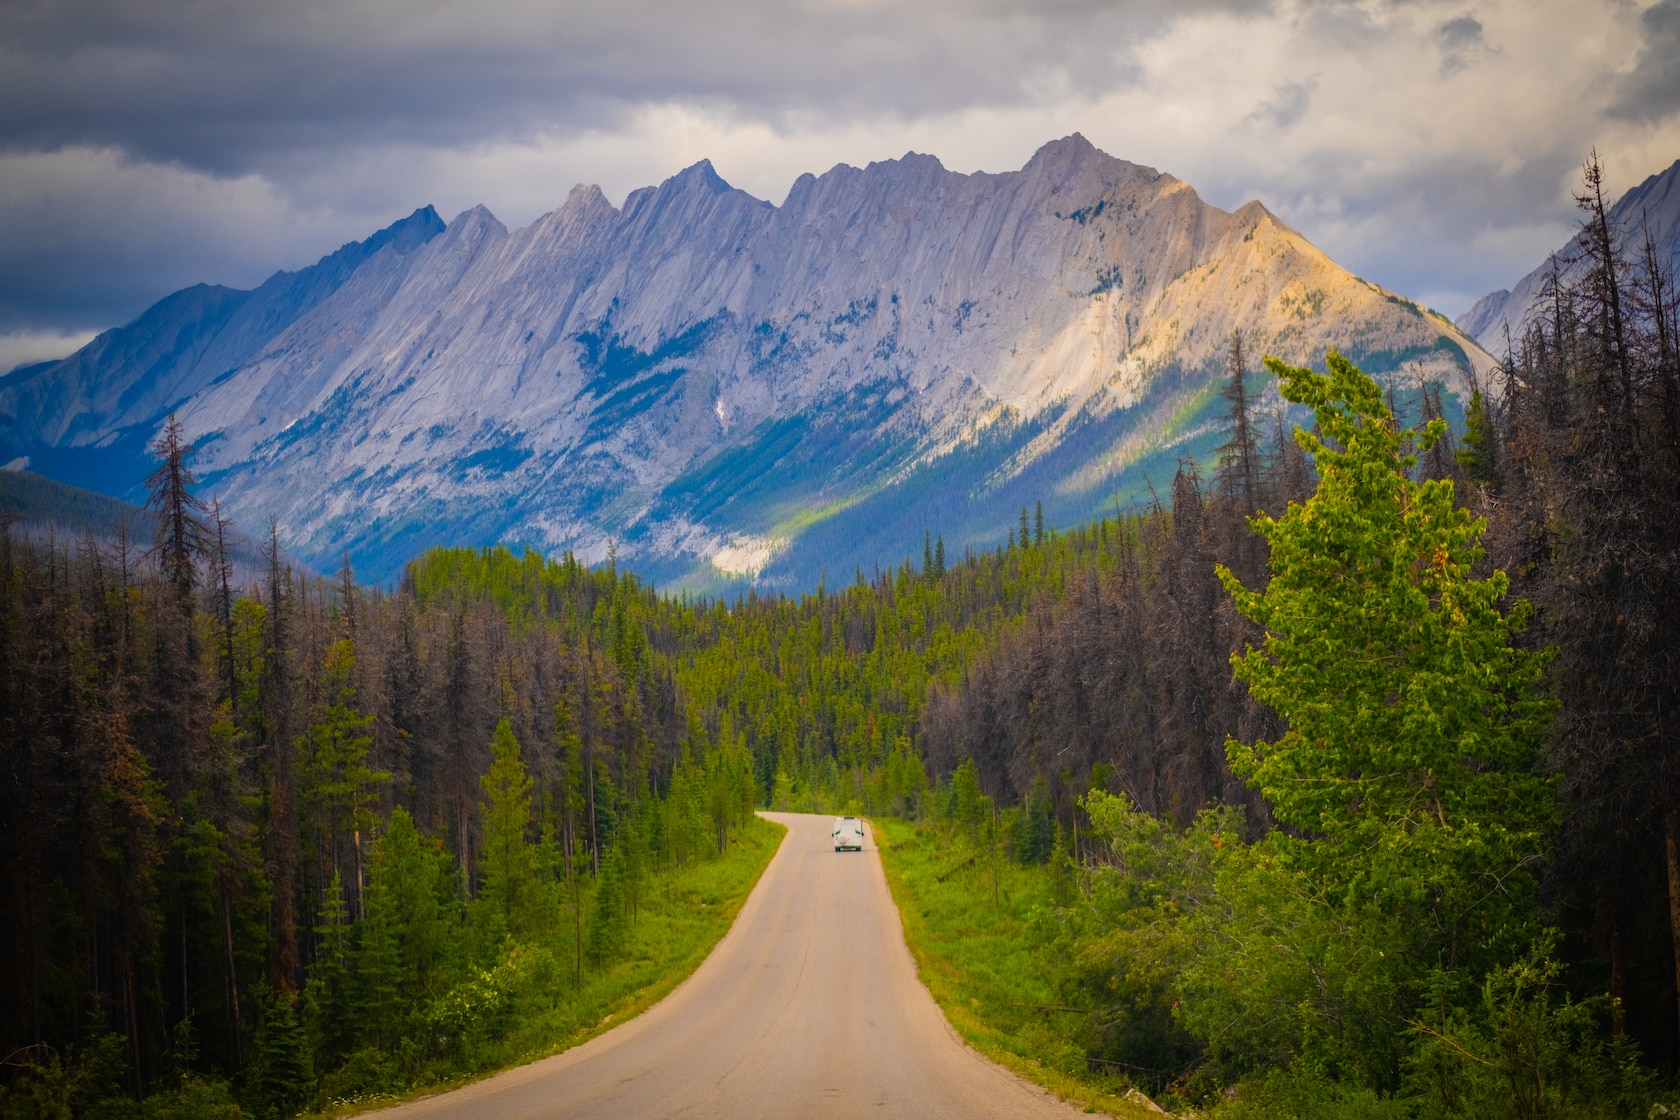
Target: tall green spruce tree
[[509, 883], [1414, 723]]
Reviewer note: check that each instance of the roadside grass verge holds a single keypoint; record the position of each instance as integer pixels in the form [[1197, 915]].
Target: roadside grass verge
[[969, 922], [683, 914]]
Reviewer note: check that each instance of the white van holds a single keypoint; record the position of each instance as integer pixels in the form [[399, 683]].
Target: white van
[[848, 834]]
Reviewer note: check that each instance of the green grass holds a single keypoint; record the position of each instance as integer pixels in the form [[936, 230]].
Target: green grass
[[978, 953], [684, 913]]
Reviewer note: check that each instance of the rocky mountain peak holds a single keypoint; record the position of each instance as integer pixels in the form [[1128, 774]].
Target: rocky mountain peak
[[583, 198], [700, 176], [408, 233], [725, 388], [1070, 150]]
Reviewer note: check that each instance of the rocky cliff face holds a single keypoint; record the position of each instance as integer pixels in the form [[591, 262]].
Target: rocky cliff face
[[718, 386], [1498, 319]]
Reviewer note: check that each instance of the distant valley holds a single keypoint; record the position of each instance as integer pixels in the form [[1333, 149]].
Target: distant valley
[[716, 389]]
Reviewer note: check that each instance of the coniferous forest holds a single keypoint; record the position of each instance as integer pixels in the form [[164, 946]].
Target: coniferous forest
[[1348, 768]]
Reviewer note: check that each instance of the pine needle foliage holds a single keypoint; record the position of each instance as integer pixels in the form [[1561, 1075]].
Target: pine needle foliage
[[1414, 725]]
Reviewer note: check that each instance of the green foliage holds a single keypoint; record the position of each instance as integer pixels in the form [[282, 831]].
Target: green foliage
[[329, 1003], [1035, 831], [1414, 725], [587, 754], [607, 921], [510, 886], [338, 782], [413, 917], [970, 809], [310, 793], [196, 1098], [1480, 454], [1381, 955], [282, 1074], [1524, 1053], [83, 1081], [1305, 1093], [898, 786], [1195, 966]]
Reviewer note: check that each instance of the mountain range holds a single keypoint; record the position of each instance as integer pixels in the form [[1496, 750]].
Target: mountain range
[[1497, 320], [719, 389]]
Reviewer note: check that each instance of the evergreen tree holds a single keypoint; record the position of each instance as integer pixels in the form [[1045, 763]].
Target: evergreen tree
[[508, 876], [1590, 506], [969, 806], [1035, 835], [1237, 478], [606, 915], [1414, 725], [280, 810], [339, 788], [329, 1009], [1479, 457], [283, 1076], [410, 939], [182, 537]]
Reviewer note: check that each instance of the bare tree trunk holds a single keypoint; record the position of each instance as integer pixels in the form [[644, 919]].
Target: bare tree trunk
[[232, 975], [282, 826], [462, 838], [1618, 984], [1671, 841], [131, 1027], [361, 890], [186, 990]]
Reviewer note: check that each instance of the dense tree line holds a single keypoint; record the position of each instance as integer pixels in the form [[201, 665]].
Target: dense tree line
[[259, 832], [250, 834], [1578, 465], [1570, 460]]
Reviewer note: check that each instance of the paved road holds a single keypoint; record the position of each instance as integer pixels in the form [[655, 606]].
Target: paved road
[[809, 1007]]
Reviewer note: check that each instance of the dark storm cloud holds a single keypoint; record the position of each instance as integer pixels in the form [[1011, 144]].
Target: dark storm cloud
[[1652, 91], [126, 129], [233, 87], [1287, 107], [149, 144], [1460, 39], [89, 237]]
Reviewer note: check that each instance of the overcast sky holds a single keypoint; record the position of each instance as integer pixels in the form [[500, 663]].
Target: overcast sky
[[1431, 146]]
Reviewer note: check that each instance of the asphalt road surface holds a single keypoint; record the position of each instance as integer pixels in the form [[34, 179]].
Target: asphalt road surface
[[809, 1007]]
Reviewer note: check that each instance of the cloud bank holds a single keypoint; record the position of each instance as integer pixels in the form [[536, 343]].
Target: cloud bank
[[1427, 145]]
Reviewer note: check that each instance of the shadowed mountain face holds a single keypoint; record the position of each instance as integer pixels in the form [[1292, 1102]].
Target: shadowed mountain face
[[1499, 318], [723, 388]]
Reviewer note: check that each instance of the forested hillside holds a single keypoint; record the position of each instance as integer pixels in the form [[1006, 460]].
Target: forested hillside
[[1463, 896], [274, 845], [43, 501]]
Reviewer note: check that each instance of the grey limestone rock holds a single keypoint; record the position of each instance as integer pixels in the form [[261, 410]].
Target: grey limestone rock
[[724, 388]]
